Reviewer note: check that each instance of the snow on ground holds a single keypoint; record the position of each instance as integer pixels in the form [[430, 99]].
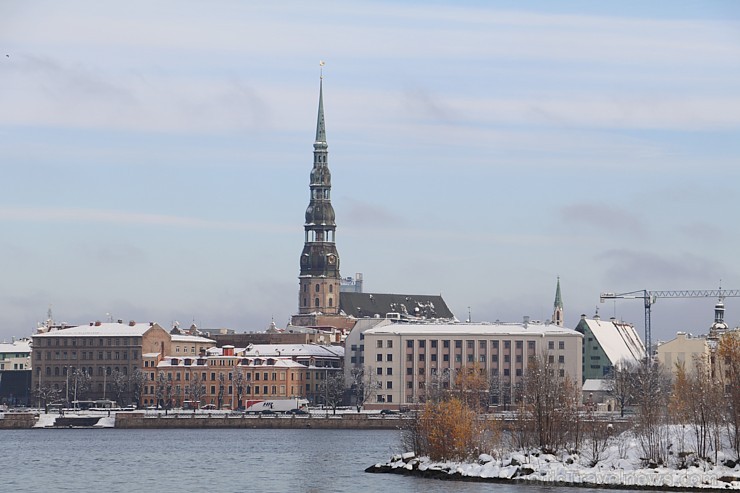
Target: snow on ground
[[619, 464], [45, 420]]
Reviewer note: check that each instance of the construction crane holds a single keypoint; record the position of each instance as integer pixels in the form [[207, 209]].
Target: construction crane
[[650, 297]]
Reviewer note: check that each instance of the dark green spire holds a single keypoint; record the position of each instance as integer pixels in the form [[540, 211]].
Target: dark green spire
[[558, 297]]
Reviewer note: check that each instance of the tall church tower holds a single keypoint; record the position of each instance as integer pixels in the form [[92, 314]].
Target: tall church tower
[[319, 279], [557, 314]]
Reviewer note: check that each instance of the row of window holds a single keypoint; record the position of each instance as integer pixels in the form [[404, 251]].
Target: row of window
[[470, 344], [63, 371], [86, 355], [86, 341]]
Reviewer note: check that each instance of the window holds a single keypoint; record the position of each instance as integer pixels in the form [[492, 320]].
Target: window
[[434, 344], [378, 357], [379, 344], [317, 303], [446, 344], [409, 357], [409, 371], [434, 357], [317, 288], [507, 344], [551, 359], [389, 357], [389, 344], [530, 345], [561, 344], [470, 358], [495, 344], [519, 344], [389, 371], [458, 344], [389, 384], [421, 356], [379, 370], [422, 343], [445, 357], [410, 344], [470, 344], [561, 359]]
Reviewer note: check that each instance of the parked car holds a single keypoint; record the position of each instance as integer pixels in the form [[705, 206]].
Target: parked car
[[297, 411]]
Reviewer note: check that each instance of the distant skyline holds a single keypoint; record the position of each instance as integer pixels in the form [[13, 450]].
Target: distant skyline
[[156, 157]]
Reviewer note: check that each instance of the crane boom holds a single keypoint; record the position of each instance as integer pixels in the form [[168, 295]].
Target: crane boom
[[650, 297]]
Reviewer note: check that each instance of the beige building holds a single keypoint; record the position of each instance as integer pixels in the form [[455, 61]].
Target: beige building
[[405, 358], [684, 349], [231, 377]]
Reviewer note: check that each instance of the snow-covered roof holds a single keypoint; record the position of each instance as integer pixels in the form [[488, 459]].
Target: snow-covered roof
[[22, 346], [101, 329], [595, 385], [189, 338], [618, 340], [290, 350], [474, 329]]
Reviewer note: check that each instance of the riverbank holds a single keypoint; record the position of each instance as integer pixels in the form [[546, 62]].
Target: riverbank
[[200, 419], [547, 469]]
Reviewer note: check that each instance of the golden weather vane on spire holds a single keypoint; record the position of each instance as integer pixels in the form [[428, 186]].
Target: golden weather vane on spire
[[321, 65]]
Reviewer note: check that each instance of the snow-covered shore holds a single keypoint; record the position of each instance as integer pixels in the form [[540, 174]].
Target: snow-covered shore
[[618, 467]]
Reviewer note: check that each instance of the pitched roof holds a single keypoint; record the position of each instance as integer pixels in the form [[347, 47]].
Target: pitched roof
[[409, 306], [618, 340]]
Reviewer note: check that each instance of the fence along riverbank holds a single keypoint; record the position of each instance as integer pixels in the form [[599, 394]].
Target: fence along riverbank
[[180, 419]]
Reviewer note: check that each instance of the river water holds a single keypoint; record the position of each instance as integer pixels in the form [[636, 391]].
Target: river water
[[234, 460]]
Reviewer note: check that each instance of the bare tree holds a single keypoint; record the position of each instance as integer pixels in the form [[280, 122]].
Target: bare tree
[[364, 386], [619, 384], [333, 388], [652, 388], [164, 391], [81, 384], [728, 362], [472, 387], [195, 391], [47, 395], [137, 383], [548, 411], [437, 389], [118, 385]]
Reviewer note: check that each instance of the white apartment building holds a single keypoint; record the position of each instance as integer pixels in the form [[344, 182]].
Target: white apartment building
[[404, 358]]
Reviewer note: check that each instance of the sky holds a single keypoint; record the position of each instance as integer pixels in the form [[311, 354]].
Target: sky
[[155, 156]]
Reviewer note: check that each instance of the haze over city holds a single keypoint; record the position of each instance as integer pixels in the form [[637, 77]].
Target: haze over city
[[156, 158]]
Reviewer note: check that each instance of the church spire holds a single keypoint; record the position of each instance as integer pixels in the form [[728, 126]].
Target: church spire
[[319, 278], [320, 127], [557, 314]]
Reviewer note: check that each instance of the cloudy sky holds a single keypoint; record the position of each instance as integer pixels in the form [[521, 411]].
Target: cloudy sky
[[155, 156]]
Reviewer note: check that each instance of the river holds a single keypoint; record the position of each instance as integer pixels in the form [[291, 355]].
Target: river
[[300, 460]]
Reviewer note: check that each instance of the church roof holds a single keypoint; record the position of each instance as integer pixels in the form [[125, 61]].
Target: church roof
[[408, 306]]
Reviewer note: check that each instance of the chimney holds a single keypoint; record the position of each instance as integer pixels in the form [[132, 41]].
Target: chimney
[[120, 320], [131, 323], [97, 323]]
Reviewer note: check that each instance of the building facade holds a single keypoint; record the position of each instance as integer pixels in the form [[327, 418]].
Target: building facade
[[229, 377], [405, 360], [102, 351], [15, 372]]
